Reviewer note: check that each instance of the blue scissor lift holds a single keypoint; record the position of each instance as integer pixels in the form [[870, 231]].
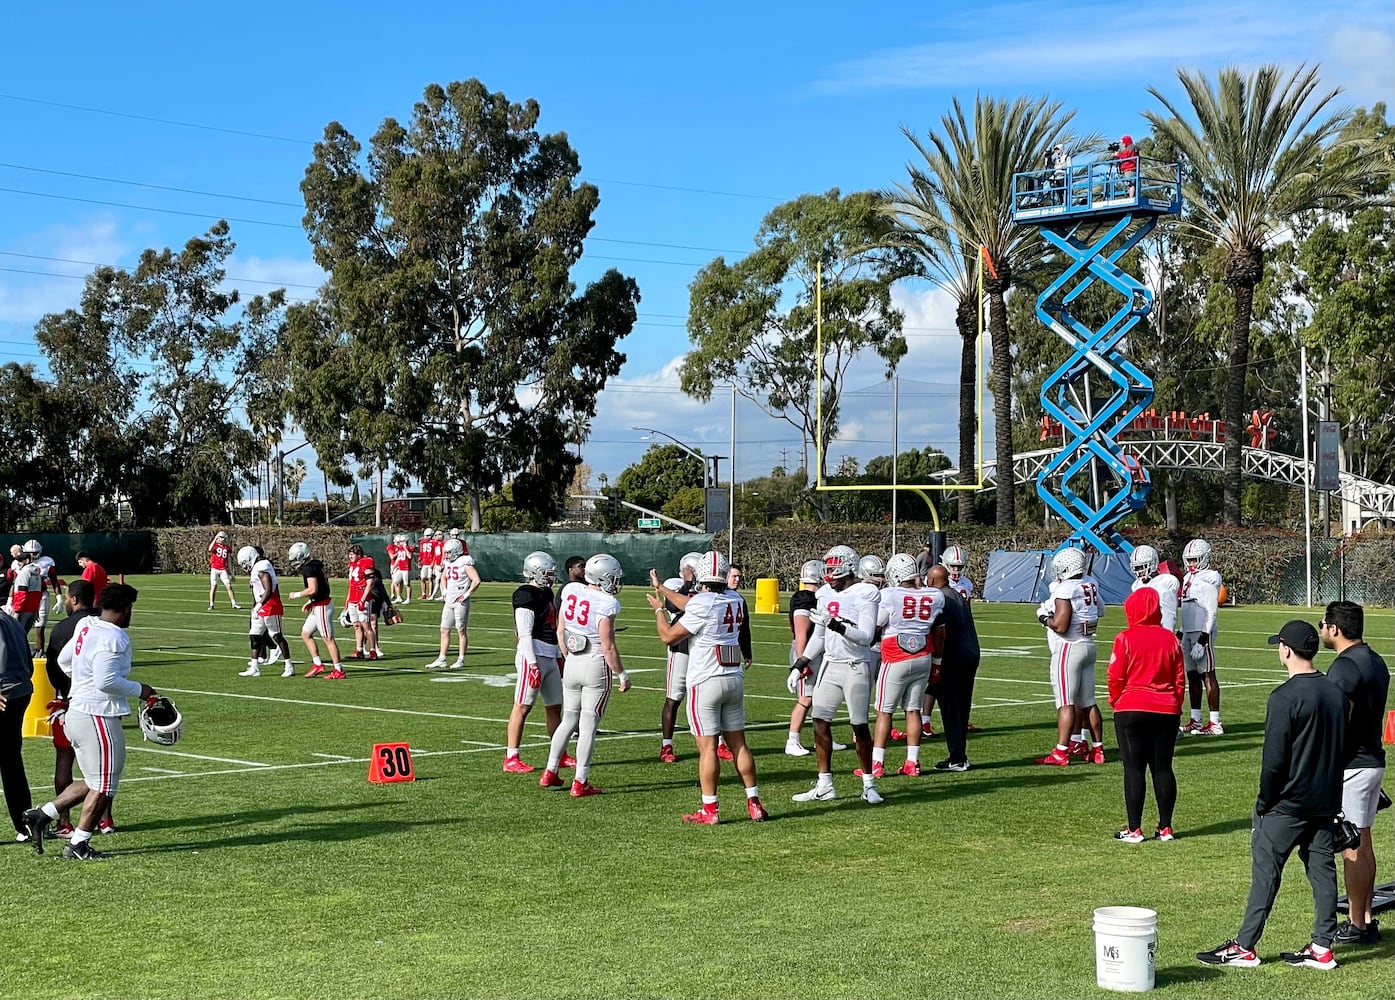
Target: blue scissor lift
[[1094, 213]]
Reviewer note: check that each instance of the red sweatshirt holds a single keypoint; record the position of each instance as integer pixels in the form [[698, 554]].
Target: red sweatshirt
[[1146, 673]]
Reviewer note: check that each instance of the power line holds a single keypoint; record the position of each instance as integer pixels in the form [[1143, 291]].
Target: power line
[[149, 208]]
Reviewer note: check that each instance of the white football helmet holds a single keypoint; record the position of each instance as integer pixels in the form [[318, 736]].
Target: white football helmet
[[871, 569], [246, 557], [454, 549], [399, 539], [298, 555], [222, 536], [604, 571], [1144, 562], [160, 722], [690, 561], [540, 568], [900, 569], [811, 572], [455, 532], [713, 568], [1068, 563], [1198, 551], [32, 548], [954, 560], [840, 561]]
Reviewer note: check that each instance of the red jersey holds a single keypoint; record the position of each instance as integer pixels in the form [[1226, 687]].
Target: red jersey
[[218, 555], [438, 548], [357, 584], [400, 557], [95, 575]]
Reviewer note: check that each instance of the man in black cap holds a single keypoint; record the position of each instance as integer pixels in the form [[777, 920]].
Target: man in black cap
[[1300, 795]]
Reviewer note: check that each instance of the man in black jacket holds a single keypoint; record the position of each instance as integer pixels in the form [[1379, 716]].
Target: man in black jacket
[[960, 666], [16, 689], [1300, 795]]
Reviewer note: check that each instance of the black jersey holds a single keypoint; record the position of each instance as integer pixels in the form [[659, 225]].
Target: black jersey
[[539, 601], [315, 570], [801, 600], [675, 613]]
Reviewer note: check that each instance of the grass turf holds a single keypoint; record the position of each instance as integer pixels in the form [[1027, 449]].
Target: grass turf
[[254, 860]]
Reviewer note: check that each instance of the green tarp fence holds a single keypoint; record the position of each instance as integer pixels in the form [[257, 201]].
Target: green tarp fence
[[115, 551], [500, 556]]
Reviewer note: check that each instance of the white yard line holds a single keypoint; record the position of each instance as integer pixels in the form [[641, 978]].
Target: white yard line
[[161, 770], [333, 756], [197, 756], [356, 708]]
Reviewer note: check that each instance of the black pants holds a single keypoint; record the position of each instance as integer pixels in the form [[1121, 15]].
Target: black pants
[[956, 695], [1273, 838], [1146, 742], [12, 758]]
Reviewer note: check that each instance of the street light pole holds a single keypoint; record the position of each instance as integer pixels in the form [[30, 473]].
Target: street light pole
[[709, 479]]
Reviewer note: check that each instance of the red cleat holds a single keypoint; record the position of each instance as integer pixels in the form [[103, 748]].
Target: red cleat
[[1096, 756], [106, 826], [667, 756], [335, 675], [878, 770], [910, 769], [372, 654], [550, 780], [1056, 758], [514, 765], [898, 735], [1079, 748], [973, 728], [357, 655], [567, 760], [63, 830], [756, 810], [581, 789], [316, 670], [704, 815], [724, 752]]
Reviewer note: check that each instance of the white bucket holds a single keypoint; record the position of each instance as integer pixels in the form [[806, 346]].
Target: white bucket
[[1126, 940]]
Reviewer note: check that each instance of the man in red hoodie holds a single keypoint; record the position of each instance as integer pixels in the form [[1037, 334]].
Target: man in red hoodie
[[1147, 681]]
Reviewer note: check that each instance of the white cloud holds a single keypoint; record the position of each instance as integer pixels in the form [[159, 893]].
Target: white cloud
[[258, 275], [69, 250]]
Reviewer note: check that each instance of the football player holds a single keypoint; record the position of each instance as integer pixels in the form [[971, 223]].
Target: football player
[[27, 590], [438, 564], [712, 621], [400, 562], [845, 622], [219, 554], [461, 582], [48, 574], [911, 644], [424, 558], [677, 675], [78, 605], [589, 611], [356, 607], [319, 611], [1144, 561], [267, 612], [1201, 595], [954, 561], [535, 629], [1071, 615], [802, 602]]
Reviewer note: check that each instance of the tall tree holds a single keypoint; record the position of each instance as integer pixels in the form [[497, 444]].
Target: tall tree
[[660, 474], [1259, 152], [753, 323], [450, 308], [967, 172]]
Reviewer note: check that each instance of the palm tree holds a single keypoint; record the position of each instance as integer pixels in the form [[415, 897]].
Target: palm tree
[[967, 175], [1256, 156]]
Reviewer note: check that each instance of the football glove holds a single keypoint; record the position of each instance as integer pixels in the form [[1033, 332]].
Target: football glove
[[1198, 650], [837, 625], [819, 616], [797, 672], [1203, 639], [57, 709], [1045, 619]]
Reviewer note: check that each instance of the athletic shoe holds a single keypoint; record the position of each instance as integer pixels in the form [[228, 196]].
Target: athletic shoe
[[897, 735], [973, 728], [871, 795], [236, 606], [1056, 758], [36, 823], [372, 654], [724, 752], [1229, 953], [1079, 748], [1349, 933], [667, 756], [378, 654], [440, 661], [550, 780], [316, 670], [1128, 836], [1189, 729], [816, 794], [288, 671], [839, 746], [335, 675], [356, 654], [581, 789], [1096, 756], [794, 748], [567, 760], [106, 826], [756, 811], [1211, 729], [878, 770], [707, 817], [952, 765], [911, 769], [210, 607], [252, 671], [457, 665], [1313, 956], [927, 732], [84, 852], [1165, 834], [62, 831], [513, 765]]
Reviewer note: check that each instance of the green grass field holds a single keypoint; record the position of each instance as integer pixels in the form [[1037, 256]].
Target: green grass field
[[254, 859]]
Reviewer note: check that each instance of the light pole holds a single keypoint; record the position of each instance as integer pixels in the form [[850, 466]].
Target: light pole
[[708, 480]]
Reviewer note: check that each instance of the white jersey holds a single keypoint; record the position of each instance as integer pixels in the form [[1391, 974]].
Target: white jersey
[[909, 610], [46, 566], [857, 607], [714, 622], [1085, 608], [258, 568], [965, 586], [1201, 594], [583, 607], [456, 579], [98, 658], [1167, 587]]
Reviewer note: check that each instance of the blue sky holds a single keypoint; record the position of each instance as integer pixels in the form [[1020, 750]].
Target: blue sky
[[693, 121]]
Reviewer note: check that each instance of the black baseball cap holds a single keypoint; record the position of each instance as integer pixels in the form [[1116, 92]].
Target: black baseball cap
[[1299, 636]]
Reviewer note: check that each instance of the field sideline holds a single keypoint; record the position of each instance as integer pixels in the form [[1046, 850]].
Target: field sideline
[[254, 860]]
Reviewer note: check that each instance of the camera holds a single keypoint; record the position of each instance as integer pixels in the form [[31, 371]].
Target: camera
[[1113, 147]]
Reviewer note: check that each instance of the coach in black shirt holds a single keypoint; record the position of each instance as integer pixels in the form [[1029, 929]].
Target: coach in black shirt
[[1300, 794], [1361, 675], [957, 671]]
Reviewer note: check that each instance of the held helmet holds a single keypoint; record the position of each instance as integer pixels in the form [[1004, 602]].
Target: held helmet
[[1068, 563], [453, 550], [539, 568], [160, 722], [871, 569], [713, 568], [811, 572], [953, 560], [246, 557], [900, 569], [603, 570], [1144, 562], [1198, 551], [298, 555], [690, 561]]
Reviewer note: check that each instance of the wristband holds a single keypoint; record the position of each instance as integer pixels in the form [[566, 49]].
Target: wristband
[[623, 677]]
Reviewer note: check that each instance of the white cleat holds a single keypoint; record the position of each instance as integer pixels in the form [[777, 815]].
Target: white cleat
[[795, 749], [405, 601], [210, 607], [252, 671], [458, 665], [440, 661], [839, 746], [236, 606], [288, 671], [871, 795], [816, 794]]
